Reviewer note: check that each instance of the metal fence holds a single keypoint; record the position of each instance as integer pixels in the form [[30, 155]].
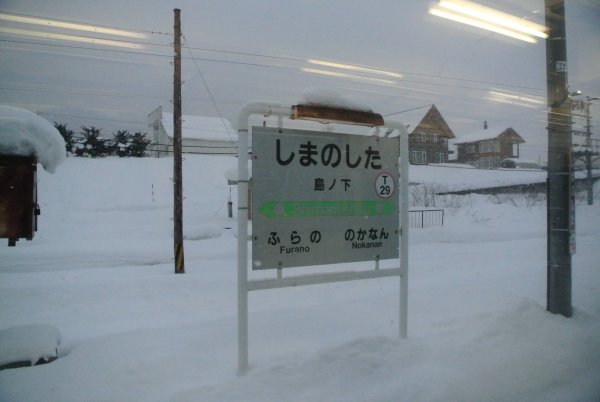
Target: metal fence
[[424, 218]]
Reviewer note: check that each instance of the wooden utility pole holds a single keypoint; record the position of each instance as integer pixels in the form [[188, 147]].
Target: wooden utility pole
[[560, 203], [177, 176]]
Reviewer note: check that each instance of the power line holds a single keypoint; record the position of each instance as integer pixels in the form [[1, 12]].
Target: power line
[[91, 118], [84, 93], [87, 23], [303, 60], [408, 110], [239, 53], [208, 89], [114, 95], [262, 55], [289, 68], [100, 38], [151, 54], [83, 48]]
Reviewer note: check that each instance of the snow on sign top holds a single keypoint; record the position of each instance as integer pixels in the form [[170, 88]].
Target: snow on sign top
[[200, 127], [24, 133], [331, 98]]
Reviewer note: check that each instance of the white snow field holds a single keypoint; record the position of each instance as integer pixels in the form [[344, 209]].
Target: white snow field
[[100, 271]]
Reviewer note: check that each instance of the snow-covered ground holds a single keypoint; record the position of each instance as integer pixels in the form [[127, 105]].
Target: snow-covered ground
[[100, 270]]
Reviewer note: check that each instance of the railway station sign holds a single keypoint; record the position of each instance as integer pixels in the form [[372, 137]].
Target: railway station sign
[[323, 198]]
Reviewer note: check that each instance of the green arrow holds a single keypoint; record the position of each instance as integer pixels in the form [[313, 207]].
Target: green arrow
[[311, 209]]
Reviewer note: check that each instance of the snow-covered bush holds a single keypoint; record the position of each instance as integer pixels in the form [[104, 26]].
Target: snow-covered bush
[[524, 199], [67, 134], [94, 144], [139, 145], [431, 196], [121, 143], [91, 143]]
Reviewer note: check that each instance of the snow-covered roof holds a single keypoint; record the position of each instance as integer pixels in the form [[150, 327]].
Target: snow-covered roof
[[480, 135], [433, 120], [24, 133], [201, 127]]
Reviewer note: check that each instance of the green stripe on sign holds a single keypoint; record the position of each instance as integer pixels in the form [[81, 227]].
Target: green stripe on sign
[[310, 209]]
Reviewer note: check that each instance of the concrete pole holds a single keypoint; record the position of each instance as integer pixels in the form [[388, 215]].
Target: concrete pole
[[560, 206]]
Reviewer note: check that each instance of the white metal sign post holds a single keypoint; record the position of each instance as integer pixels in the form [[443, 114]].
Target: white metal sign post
[[319, 198]]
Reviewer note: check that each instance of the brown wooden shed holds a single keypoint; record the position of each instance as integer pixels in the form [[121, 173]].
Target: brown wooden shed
[[18, 197]]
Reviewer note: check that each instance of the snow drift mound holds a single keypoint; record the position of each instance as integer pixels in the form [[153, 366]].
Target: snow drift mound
[[25, 133]]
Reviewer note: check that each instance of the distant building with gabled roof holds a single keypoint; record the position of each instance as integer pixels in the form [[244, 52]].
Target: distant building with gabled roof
[[428, 141], [200, 134], [485, 149]]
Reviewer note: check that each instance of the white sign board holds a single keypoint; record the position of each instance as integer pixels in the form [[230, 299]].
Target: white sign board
[[323, 198]]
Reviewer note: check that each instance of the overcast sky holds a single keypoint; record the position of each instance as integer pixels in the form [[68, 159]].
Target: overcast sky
[[248, 50]]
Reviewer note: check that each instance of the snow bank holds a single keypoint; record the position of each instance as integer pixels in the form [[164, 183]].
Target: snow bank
[[25, 133], [202, 232], [455, 179], [29, 343], [330, 98]]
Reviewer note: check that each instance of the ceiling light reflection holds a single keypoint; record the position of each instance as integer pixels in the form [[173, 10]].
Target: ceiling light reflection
[[70, 38], [71, 25], [354, 68], [480, 24], [469, 13], [346, 75], [495, 17], [515, 99]]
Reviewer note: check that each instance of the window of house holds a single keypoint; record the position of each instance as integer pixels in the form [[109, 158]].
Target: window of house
[[438, 157], [489, 146], [420, 137], [433, 138], [418, 157], [444, 141], [470, 148]]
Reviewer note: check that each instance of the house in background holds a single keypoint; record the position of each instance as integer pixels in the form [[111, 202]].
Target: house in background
[[428, 142], [199, 134], [485, 149]]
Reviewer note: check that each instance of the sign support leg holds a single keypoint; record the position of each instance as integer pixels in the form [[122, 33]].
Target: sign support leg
[[404, 234], [242, 239]]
